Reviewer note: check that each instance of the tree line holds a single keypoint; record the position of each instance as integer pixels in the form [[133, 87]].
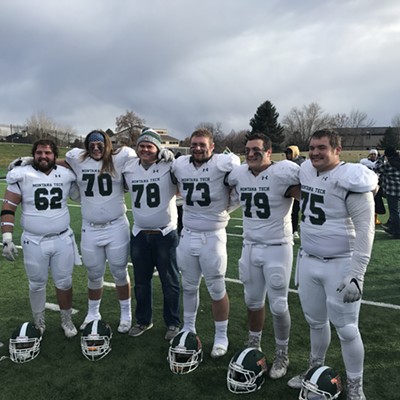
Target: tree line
[[296, 127]]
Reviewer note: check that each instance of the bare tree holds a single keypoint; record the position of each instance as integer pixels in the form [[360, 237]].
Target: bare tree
[[396, 124], [300, 124], [352, 126], [131, 123], [235, 141], [41, 126]]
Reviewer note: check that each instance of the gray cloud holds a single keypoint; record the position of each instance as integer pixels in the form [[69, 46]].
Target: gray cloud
[[182, 62]]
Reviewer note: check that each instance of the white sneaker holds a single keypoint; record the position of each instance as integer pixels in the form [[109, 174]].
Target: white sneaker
[[295, 382], [89, 318], [296, 235], [124, 326], [69, 329], [67, 325], [280, 365], [218, 350]]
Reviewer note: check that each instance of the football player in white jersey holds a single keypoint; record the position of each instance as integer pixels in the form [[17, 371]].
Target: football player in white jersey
[[105, 226], [337, 233], [47, 241], [202, 246], [154, 233], [266, 190]]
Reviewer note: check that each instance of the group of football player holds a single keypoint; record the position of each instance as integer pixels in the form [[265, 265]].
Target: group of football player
[[336, 230]]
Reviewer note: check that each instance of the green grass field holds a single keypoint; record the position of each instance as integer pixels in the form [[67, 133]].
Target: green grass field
[[137, 367]]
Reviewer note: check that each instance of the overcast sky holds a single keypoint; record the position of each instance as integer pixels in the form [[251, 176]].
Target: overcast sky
[[177, 63]]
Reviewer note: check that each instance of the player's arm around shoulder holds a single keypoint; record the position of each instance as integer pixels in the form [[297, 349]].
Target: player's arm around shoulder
[[179, 163], [288, 174], [226, 162], [127, 152]]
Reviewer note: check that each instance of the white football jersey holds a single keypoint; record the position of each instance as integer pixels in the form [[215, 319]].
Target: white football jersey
[[102, 196], [266, 210], [44, 198], [326, 228], [153, 196], [204, 191]]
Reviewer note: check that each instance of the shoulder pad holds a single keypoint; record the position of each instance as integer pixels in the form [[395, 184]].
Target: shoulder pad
[[127, 151], [179, 162], [16, 175], [226, 162], [287, 171], [74, 153], [286, 167], [356, 178]]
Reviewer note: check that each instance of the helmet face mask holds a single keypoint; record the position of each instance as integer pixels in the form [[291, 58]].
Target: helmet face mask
[[321, 383], [246, 371], [96, 340], [185, 353], [24, 343]]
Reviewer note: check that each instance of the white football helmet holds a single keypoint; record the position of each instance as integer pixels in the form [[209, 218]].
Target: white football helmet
[[96, 340], [25, 343], [246, 371], [185, 353], [321, 383]]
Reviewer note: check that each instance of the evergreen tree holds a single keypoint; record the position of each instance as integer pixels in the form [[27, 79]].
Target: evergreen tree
[[390, 138], [265, 121]]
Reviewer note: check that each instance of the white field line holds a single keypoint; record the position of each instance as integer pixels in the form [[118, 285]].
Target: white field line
[[55, 307]]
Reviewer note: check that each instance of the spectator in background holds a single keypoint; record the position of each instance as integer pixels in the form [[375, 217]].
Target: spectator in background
[[389, 171], [369, 162], [371, 159], [293, 154]]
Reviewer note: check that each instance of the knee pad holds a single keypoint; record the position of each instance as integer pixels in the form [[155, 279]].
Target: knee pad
[[278, 306], [95, 272], [120, 275], [315, 324], [254, 306], [252, 303], [216, 288], [64, 283], [348, 333], [190, 286], [37, 286], [95, 284]]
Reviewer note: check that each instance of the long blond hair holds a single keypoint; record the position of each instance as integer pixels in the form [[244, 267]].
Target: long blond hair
[[107, 159]]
